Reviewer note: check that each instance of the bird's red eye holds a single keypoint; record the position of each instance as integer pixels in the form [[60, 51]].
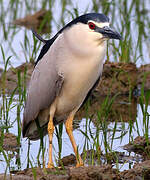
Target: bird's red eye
[[91, 25]]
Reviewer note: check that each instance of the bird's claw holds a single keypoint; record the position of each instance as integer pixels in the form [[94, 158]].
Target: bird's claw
[[50, 165], [80, 164]]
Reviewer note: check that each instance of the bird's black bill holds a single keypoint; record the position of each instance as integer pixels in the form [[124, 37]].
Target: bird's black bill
[[109, 33]]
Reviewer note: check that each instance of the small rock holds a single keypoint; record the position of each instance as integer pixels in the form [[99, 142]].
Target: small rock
[[138, 172], [140, 145], [68, 160], [10, 142]]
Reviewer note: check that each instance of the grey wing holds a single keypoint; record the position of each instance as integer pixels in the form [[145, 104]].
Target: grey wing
[[45, 85]]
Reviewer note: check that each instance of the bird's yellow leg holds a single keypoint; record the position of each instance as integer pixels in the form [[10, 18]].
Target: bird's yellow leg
[[50, 130], [69, 129], [50, 133]]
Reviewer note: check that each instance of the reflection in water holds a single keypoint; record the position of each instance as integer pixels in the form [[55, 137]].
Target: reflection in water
[[121, 111], [19, 42], [112, 123]]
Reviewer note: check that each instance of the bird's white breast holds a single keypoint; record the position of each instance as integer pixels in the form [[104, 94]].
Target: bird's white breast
[[80, 73]]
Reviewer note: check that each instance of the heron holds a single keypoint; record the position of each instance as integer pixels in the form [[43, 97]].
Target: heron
[[67, 69]]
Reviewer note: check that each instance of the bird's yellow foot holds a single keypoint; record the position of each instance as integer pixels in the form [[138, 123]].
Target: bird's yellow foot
[[50, 165], [80, 164]]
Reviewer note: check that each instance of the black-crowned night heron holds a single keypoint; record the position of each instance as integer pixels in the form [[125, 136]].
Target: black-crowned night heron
[[67, 69]]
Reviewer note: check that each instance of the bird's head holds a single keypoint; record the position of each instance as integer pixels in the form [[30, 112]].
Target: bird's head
[[89, 30]]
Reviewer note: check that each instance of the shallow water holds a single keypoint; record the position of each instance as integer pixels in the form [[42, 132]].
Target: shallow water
[[13, 47], [80, 139]]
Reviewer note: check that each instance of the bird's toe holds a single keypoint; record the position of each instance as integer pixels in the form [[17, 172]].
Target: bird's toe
[[50, 165], [80, 164]]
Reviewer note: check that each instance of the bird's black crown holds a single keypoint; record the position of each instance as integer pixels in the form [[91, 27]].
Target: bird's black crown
[[97, 17]]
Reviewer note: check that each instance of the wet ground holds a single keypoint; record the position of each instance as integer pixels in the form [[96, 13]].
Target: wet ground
[[117, 78], [68, 171], [104, 165]]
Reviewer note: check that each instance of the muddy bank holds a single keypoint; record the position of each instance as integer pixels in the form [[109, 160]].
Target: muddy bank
[[140, 171], [112, 72], [119, 78], [9, 80], [140, 145], [38, 21], [103, 172], [9, 142], [144, 77], [121, 109]]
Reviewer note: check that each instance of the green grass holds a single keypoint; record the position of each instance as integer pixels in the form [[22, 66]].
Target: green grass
[[130, 18], [144, 100]]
